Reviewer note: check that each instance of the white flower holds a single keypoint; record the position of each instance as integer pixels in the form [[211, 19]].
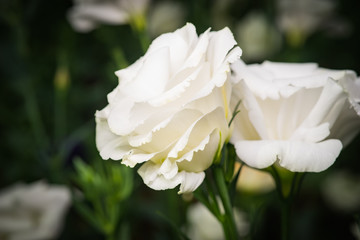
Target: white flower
[[170, 109], [355, 230], [257, 37], [300, 18], [296, 114], [203, 225], [304, 15], [85, 15], [33, 212], [165, 16]]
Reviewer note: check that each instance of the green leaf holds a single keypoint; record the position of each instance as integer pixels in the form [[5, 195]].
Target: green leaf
[[181, 235], [89, 215], [232, 186]]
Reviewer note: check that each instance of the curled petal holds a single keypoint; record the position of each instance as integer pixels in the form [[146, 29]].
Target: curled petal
[[202, 156], [189, 181], [199, 130], [294, 155]]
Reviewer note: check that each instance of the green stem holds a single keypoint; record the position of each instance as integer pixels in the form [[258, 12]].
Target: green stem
[[229, 225], [285, 220], [279, 187], [286, 198], [34, 116], [138, 25], [28, 92], [119, 57], [61, 84], [211, 190], [110, 236]]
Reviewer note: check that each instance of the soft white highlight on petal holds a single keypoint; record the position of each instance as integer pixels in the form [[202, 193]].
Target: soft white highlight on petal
[[151, 79], [296, 156]]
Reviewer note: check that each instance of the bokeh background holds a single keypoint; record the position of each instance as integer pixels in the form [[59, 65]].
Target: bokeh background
[[53, 78]]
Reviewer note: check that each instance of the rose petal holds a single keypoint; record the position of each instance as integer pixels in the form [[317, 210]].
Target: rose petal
[[188, 181], [289, 70], [201, 157], [223, 38], [199, 130], [166, 131], [151, 79], [296, 156], [330, 95]]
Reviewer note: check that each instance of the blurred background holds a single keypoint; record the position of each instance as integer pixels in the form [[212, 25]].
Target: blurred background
[[57, 64]]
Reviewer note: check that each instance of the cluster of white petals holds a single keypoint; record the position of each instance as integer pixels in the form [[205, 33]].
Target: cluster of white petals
[[296, 115], [33, 212], [170, 111]]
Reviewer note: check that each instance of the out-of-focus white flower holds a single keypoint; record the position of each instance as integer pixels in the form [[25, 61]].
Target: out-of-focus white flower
[[354, 228], [170, 109], [33, 212], [85, 15], [341, 190], [220, 13], [300, 18], [165, 16], [257, 37], [255, 181], [203, 225], [298, 115]]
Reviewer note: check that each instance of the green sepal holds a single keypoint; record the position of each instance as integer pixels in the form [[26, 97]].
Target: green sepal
[[235, 112], [232, 185]]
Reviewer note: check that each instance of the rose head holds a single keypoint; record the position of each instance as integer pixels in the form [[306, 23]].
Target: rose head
[[297, 114], [170, 109]]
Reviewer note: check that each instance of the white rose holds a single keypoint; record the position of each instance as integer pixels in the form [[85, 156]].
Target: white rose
[[293, 114], [33, 212], [170, 109], [85, 15]]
